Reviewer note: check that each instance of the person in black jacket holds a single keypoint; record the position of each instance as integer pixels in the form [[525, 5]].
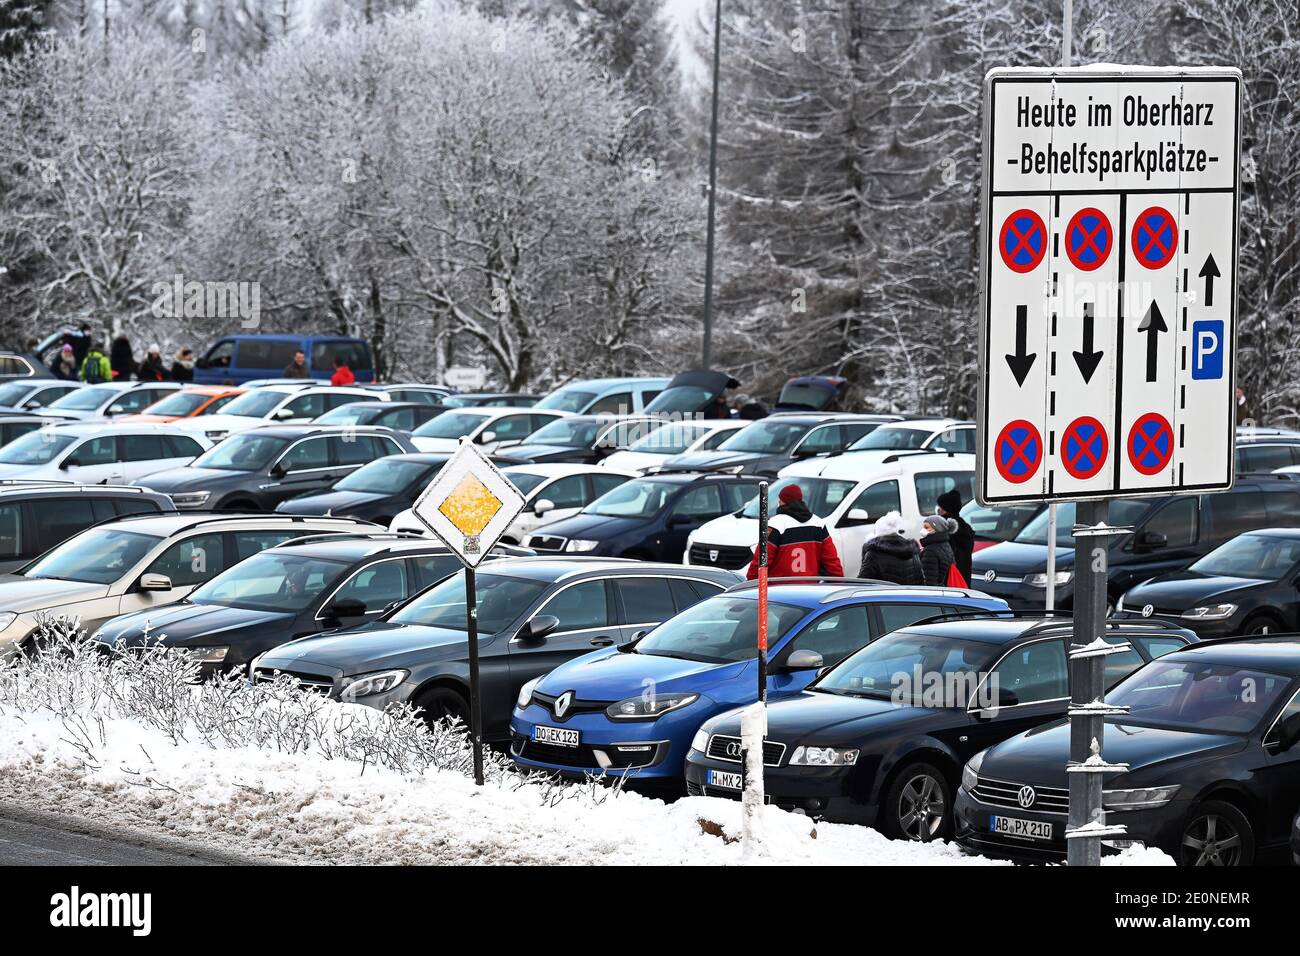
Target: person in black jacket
[[891, 555], [963, 539], [936, 552]]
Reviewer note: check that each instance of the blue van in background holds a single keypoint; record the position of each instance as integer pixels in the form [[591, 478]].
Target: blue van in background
[[241, 358]]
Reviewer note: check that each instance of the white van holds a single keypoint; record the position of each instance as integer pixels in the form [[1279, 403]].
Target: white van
[[849, 495]]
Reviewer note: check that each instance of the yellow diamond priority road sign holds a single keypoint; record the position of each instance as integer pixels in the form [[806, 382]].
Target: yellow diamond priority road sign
[[469, 505]]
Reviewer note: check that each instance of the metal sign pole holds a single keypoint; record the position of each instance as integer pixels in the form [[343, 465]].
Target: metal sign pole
[[1089, 593], [1049, 601], [475, 697], [762, 591]]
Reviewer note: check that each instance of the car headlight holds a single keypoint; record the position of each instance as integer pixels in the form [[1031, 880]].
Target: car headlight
[[823, 757], [213, 654], [7, 618], [215, 436], [648, 706], [970, 773], [1211, 612], [1119, 604], [1145, 799], [526, 693], [367, 684], [700, 741], [191, 499], [1040, 580], [581, 544]]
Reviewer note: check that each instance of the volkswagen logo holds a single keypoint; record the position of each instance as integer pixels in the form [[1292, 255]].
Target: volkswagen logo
[[562, 704], [1026, 797], [713, 555], [1148, 610], [734, 749], [990, 575]]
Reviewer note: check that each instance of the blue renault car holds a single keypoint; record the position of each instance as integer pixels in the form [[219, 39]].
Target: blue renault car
[[632, 709]]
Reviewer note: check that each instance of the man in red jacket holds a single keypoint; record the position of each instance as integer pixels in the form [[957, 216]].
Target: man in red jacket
[[342, 374], [798, 544]]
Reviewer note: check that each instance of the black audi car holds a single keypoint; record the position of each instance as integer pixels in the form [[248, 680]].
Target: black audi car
[[377, 491], [304, 586], [1246, 586], [533, 615], [768, 445], [1212, 744], [581, 439], [881, 738], [256, 470]]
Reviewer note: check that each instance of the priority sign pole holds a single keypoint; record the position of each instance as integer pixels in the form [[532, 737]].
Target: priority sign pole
[[475, 697], [762, 592]]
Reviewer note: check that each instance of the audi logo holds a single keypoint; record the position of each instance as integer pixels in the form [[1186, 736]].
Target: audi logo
[[734, 749], [1026, 797]]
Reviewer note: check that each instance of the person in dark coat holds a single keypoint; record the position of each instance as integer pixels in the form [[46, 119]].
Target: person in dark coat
[[798, 544], [152, 368], [891, 555], [937, 558], [121, 360], [963, 539], [183, 366]]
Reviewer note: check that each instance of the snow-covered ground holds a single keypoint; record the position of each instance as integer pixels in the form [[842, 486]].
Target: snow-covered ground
[[276, 774]]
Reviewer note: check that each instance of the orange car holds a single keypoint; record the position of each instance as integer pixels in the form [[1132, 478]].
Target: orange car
[[187, 403]]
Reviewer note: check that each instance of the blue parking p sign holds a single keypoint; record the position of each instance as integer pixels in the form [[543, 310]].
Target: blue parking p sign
[[1207, 349]]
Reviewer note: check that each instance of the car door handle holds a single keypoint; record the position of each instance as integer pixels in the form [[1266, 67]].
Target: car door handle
[[602, 641]]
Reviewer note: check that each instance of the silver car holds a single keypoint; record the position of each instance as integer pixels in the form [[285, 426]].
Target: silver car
[[141, 562]]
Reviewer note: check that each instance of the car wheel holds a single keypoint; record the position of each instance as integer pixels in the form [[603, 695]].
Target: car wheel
[[918, 805], [443, 703], [1216, 834], [1261, 624]]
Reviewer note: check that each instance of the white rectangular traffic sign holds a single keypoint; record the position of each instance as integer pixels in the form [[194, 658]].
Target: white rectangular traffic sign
[[1109, 263]]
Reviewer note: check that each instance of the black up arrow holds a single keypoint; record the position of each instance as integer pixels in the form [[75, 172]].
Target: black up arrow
[[1020, 363], [1153, 323], [1087, 360], [1209, 272]]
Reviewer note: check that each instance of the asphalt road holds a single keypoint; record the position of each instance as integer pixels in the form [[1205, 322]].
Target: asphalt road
[[28, 839]]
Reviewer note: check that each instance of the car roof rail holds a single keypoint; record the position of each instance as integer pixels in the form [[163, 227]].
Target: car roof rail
[[315, 537], [913, 452], [857, 582]]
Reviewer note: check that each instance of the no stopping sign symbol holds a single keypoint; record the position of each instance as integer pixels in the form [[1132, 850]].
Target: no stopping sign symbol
[[1018, 451], [1083, 447], [1155, 237], [1023, 241], [1088, 239], [1151, 443]]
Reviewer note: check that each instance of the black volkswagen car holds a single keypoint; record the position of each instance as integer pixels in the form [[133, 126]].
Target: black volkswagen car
[[1251, 585], [647, 518], [882, 737], [304, 586], [256, 470], [581, 439], [1212, 744], [533, 614], [768, 445]]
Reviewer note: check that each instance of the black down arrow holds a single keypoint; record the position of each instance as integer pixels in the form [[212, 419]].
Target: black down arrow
[[1020, 363], [1088, 360]]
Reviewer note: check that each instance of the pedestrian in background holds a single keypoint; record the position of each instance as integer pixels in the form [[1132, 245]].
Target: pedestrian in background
[[95, 367], [120, 359], [891, 554], [152, 368], [65, 364], [183, 366], [1243, 409], [798, 544], [298, 367], [937, 560], [963, 539], [342, 374]]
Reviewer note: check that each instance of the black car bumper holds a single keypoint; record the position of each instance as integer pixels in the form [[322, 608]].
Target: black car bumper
[[1018, 595], [826, 793]]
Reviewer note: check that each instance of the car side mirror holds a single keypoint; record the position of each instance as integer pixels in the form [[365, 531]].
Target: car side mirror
[[346, 608], [804, 660], [487, 437], [1285, 736], [67, 463], [155, 582], [277, 471], [856, 516], [543, 505], [538, 627], [675, 520], [1006, 698], [1150, 540]]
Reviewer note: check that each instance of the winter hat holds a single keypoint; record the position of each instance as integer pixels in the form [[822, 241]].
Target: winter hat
[[67, 349], [790, 493], [891, 523], [950, 501], [938, 523], [154, 350]]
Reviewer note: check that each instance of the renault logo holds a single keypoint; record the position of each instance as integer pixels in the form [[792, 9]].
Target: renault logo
[[990, 575], [562, 704], [734, 750], [713, 555], [1026, 797], [1148, 610]]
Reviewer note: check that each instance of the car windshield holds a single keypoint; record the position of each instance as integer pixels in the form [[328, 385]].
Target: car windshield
[[719, 630], [806, 396], [1199, 696], [1263, 556], [765, 438], [179, 404], [386, 476], [888, 669], [639, 498], [450, 425], [892, 438], [669, 440], [680, 398], [567, 400], [13, 393], [568, 434], [271, 581], [998, 522], [525, 481], [96, 556], [255, 404], [1123, 513], [821, 495], [247, 452], [86, 399], [499, 600], [36, 448]]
